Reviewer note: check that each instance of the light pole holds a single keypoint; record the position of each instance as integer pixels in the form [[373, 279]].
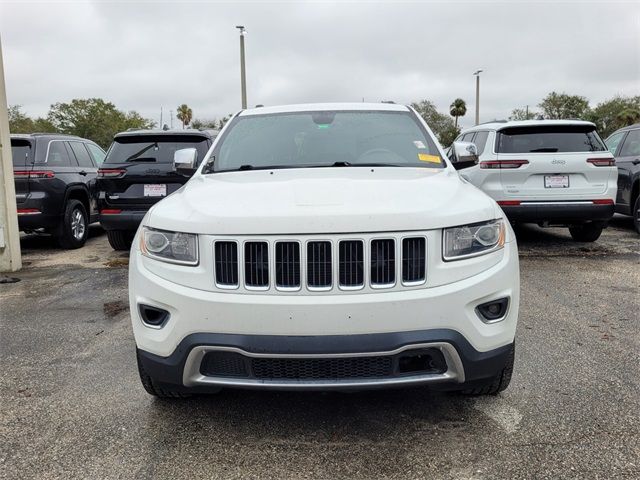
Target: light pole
[[477, 74], [243, 79]]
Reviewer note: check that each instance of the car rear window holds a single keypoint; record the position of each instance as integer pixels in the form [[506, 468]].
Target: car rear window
[[21, 152], [153, 149], [324, 139], [549, 139]]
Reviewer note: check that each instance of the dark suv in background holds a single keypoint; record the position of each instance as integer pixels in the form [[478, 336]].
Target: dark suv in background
[[625, 146], [139, 172], [55, 179]]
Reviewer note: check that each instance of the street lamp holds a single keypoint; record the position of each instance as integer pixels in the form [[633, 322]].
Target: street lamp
[[243, 79], [477, 74]]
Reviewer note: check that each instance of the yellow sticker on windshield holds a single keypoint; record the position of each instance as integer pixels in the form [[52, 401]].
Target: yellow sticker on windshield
[[423, 157]]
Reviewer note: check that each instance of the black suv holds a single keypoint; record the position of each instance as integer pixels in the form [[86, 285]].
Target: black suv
[[55, 178], [139, 172], [625, 146]]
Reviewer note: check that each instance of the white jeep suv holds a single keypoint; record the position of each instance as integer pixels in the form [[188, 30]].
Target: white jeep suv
[[327, 246], [549, 172]]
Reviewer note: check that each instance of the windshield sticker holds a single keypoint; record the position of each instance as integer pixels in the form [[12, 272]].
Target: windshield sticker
[[418, 144], [423, 157]]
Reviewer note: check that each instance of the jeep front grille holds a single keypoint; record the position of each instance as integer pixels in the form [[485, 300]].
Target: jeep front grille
[[256, 265], [351, 260], [413, 260], [319, 270], [287, 265], [383, 263], [320, 265], [226, 264]]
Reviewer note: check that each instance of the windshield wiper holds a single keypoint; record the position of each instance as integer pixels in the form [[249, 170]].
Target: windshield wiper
[[137, 154], [544, 150]]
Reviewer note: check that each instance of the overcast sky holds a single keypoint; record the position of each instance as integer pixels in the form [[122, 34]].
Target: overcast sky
[[144, 55]]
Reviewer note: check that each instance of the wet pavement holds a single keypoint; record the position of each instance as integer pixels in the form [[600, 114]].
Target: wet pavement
[[71, 405]]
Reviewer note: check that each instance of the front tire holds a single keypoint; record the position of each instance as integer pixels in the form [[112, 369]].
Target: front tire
[[154, 388], [120, 239], [498, 383], [589, 232], [74, 229]]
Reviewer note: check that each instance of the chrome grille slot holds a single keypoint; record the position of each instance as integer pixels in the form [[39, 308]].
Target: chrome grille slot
[[288, 265], [383, 263], [319, 271], [226, 264], [256, 265], [413, 260], [351, 262]]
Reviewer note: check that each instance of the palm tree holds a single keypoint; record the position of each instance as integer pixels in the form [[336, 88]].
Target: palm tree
[[458, 109], [184, 114]]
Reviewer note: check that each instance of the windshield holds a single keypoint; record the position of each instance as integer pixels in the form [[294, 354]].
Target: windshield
[[153, 149], [549, 139], [324, 139], [20, 151]]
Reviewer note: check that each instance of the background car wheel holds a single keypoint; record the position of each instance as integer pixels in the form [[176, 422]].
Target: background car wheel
[[589, 232], [154, 388], [74, 229], [120, 239], [498, 383], [636, 214]]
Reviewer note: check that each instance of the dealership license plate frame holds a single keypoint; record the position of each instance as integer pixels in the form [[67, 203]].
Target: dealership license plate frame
[[155, 190], [556, 181]]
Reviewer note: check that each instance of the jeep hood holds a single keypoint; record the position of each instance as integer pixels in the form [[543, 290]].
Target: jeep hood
[[322, 200]]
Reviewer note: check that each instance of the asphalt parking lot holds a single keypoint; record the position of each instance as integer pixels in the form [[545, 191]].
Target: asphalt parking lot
[[71, 405]]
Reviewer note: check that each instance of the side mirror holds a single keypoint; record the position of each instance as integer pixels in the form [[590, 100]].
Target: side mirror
[[185, 161], [464, 155]]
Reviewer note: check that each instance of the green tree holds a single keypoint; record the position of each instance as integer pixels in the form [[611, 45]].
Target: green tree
[[564, 106], [184, 114], [522, 114], [202, 124], [223, 121], [19, 122], [95, 119], [615, 113], [441, 124], [458, 109]]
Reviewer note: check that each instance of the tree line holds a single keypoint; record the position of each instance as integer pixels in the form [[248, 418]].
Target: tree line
[[609, 116], [99, 120]]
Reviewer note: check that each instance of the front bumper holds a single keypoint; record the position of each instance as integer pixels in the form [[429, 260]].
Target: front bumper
[[569, 212], [280, 326], [183, 369]]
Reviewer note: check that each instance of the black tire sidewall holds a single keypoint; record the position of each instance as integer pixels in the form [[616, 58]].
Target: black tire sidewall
[[120, 240], [636, 214], [65, 235], [588, 232]]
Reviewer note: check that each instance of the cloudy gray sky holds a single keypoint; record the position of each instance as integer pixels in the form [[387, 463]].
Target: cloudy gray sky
[[142, 55]]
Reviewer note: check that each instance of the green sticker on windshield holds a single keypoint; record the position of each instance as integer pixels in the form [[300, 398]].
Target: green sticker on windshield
[[326, 125]]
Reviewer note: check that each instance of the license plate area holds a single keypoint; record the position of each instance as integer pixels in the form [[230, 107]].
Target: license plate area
[[556, 181], [155, 190]]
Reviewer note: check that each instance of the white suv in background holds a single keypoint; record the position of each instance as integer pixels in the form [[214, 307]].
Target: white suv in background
[[549, 172], [326, 246]]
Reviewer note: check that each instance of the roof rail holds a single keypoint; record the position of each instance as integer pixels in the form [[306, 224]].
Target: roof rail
[[52, 133], [492, 121], [388, 101]]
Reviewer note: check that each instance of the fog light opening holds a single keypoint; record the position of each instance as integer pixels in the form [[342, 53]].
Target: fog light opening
[[423, 362], [493, 311], [153, 316]]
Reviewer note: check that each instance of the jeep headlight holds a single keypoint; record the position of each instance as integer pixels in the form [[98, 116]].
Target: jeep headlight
[[472, 240], [172, 247]]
